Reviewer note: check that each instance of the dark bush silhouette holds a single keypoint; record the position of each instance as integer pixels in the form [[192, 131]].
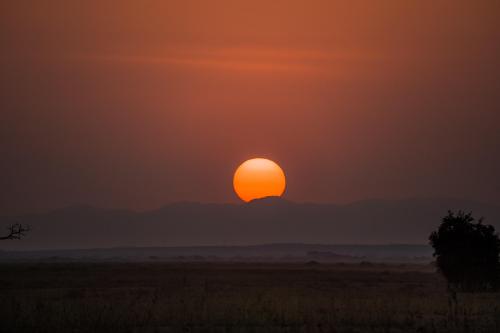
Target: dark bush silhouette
[[16, 231], [467, 253]]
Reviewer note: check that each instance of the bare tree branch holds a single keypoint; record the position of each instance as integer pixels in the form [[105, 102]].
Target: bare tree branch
[[16, 231]]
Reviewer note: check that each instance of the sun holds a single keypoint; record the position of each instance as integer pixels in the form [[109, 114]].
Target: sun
[[258, 178]]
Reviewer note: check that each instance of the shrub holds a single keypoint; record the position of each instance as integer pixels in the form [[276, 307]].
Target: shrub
[[467, 252]]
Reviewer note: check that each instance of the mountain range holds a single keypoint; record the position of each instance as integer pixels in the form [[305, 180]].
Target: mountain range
[[265, 221]]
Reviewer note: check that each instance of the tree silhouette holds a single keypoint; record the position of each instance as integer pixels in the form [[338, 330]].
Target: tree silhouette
[[16, 231], [467, 252]]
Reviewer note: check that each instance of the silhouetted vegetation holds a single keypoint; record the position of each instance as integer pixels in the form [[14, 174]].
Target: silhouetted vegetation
[[237, 297], [467, 253], [16, 231]]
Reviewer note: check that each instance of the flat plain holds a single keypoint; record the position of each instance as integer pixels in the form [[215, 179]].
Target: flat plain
[[237, 297]]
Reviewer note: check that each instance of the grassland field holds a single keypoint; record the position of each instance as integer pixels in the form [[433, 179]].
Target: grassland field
[[237, 297]]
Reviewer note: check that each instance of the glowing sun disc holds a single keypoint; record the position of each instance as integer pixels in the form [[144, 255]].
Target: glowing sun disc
[[258, 178]]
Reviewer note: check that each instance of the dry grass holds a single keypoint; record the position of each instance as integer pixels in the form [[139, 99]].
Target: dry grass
[[236, 298]]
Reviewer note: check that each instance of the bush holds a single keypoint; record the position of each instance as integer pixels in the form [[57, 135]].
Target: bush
[[467, 252]]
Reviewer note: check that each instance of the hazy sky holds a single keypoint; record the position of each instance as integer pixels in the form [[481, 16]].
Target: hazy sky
[[139, 103]]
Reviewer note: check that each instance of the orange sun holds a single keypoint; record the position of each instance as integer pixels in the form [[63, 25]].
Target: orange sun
[[258, 178]]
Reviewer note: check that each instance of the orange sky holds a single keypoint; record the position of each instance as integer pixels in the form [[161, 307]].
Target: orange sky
[[138, 103]]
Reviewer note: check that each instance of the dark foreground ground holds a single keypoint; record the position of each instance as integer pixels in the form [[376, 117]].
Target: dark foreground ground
[[224, 297]]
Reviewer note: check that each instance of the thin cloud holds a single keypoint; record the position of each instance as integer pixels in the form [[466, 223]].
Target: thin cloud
[[246, 59]]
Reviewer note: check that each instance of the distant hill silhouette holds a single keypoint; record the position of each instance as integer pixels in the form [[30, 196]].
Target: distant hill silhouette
[[265, 221], [282, 252]]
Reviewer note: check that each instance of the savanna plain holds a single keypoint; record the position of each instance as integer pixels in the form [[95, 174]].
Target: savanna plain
[[237, 297]]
